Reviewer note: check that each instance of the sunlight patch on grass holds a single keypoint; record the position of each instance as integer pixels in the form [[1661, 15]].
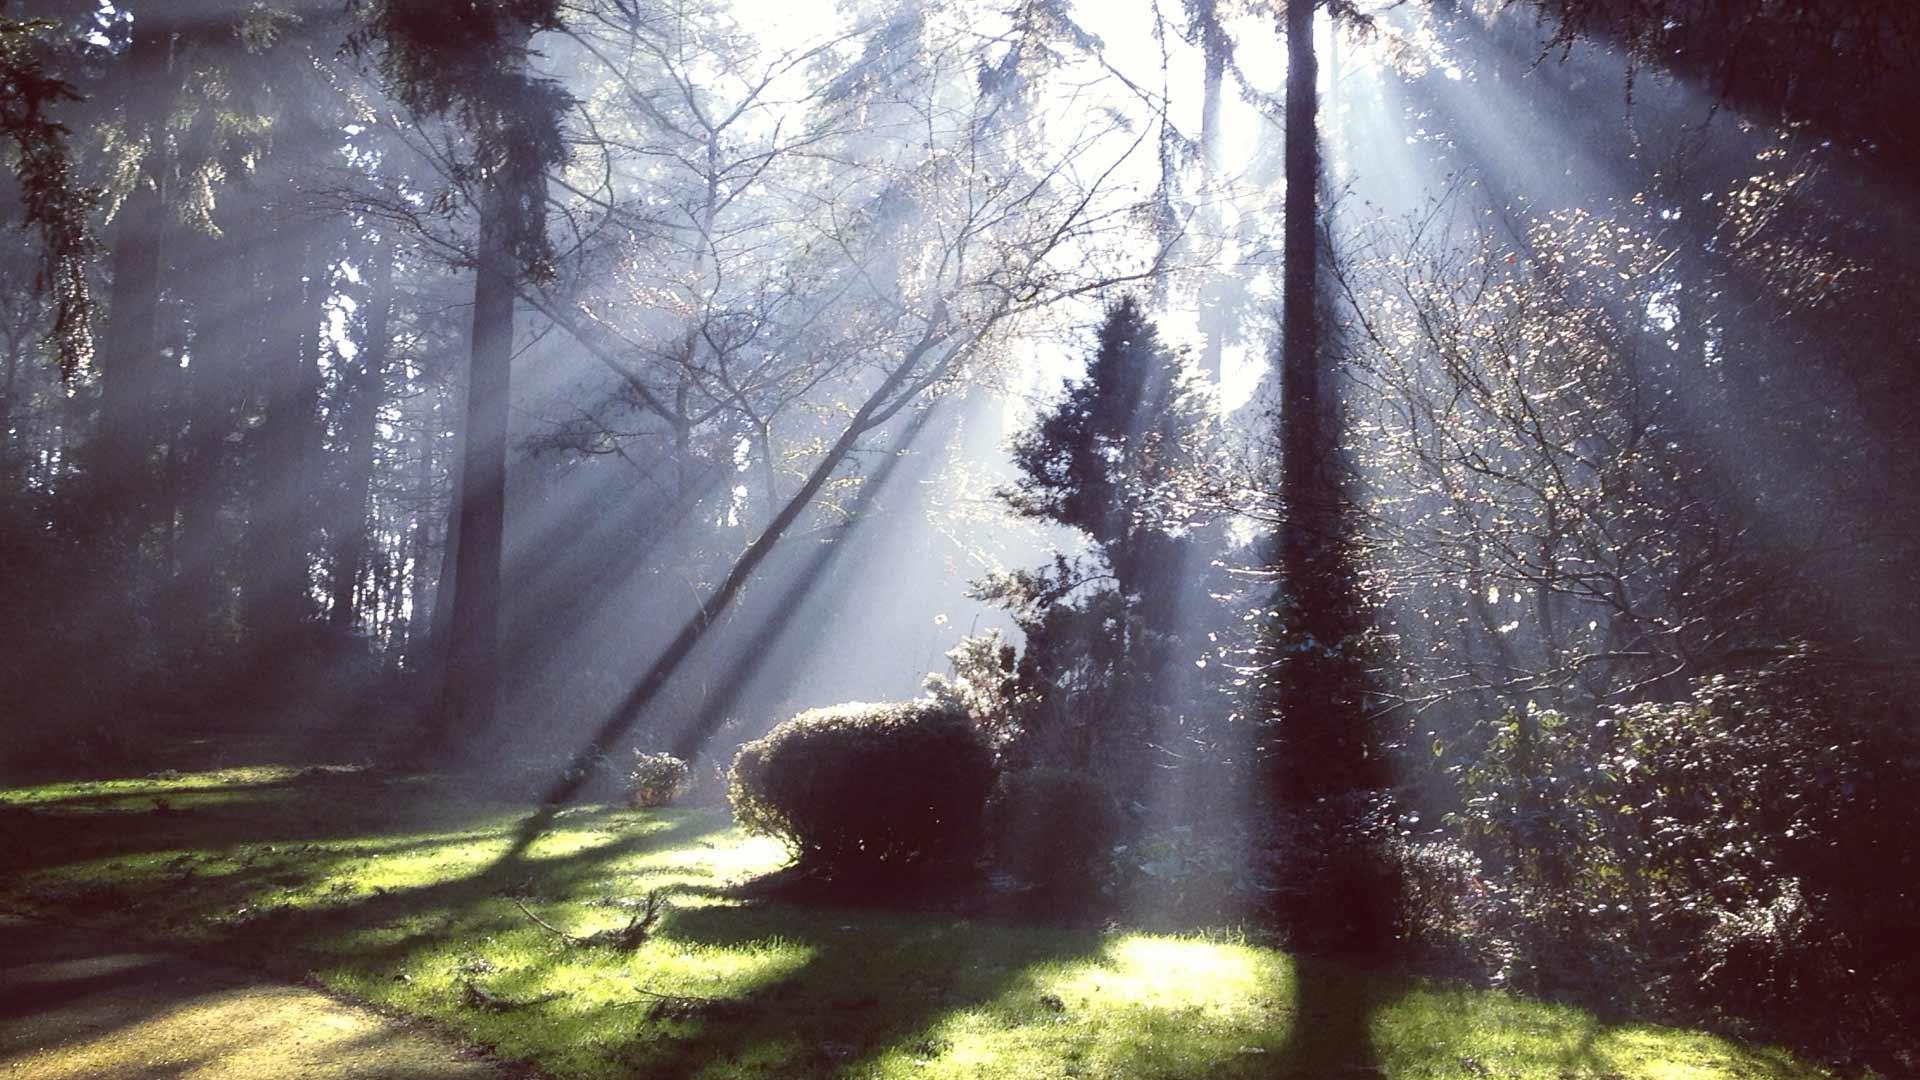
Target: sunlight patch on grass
[[1139, 970], [145, 787], [1142, 1005], [429, 864], [1428, 1027]]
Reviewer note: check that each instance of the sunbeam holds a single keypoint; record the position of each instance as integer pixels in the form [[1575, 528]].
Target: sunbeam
[[904, 537]]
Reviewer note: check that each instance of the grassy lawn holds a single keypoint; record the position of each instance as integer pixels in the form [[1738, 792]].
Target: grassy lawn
[[400, 892]]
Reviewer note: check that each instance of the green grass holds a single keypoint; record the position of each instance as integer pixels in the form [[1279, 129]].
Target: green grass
[[397, 892]]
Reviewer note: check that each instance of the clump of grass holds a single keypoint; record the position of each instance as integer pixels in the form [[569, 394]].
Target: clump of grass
[[399, 893]]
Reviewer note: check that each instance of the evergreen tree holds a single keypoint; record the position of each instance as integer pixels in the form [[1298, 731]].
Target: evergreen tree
[[1117, 459], [1309, 660], [471, 63]]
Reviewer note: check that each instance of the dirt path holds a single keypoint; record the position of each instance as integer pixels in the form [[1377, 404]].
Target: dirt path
[[74, 1005]]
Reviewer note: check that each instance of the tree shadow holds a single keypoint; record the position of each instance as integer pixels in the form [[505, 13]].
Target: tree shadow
[[310, 811], [1334, 1010], [873, 981]]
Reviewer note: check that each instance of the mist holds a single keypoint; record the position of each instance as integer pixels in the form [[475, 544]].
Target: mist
[[1427, 484]]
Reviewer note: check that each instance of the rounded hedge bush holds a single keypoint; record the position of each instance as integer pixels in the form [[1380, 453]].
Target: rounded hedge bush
[[863, 788], [656, 779]]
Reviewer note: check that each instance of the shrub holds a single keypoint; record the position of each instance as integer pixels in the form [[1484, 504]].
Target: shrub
[[1451, 916], [865, 788], [596, 776], [1743, 850], [656, 779], [1054, 828], [983, 683]]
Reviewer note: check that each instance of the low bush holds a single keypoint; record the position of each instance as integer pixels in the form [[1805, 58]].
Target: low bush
[[1737, 853], [592, 776], [860, 789], [656, 779], [1190, 873], [1055, 829]]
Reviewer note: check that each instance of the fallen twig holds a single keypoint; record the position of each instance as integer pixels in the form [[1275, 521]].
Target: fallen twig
[[479, 997], [681, 1006], [630, 936]]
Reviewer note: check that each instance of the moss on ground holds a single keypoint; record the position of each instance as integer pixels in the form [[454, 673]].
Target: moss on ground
[[408, 894]]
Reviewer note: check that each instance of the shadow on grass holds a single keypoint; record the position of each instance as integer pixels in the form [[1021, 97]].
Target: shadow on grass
[[1335, 1009], [454, 900], [310, 808], [286, 836], [871, 982]]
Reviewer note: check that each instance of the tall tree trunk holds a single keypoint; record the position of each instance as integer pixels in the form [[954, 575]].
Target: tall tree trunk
[[1302, 437], [1318, 713], [439, 629], [9, 386], [278, 594], [130, 361], [362, 397], [1214, 47], [1328, 755], [471, 696], [220, 351]]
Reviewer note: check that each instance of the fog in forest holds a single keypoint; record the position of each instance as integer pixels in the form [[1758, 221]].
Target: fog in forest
[[1432, 480]]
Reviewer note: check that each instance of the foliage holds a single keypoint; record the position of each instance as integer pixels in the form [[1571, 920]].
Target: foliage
[[655, 780], [1332, 884], [1451, 912], [53, 200], [1736, 845], [865, 788], [981, 682], [471, 63], [1116, 458], [589, 774], [1204, 871], [1121, 458], [1054, 829]]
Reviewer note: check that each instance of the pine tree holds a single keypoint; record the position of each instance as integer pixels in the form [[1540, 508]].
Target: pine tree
[[471, 63], [1117, 459]]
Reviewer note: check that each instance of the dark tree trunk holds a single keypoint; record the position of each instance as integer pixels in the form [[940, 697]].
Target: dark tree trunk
[[362, 398], [470, 693], [221, 349], [1305, 479], [1327, 746], [130, 363], [278, 594], [1214, 48], [1300, 359], [8, 388], [439, 625], [1328, 763]]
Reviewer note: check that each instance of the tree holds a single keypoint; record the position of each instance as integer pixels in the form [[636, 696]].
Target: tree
[[130, 363], [1308, 670], [360, 400], [52, 200], [947, 220], [1314, 701], [1119, 460], [473, 64]]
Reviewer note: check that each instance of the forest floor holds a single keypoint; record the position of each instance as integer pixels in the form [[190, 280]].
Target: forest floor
[[408, 893], [75, 1003]]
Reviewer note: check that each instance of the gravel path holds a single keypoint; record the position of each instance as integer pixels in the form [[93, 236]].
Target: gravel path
[[75, 1005]]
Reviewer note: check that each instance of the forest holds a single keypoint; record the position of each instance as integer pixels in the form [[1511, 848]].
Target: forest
[[1164, 538]]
